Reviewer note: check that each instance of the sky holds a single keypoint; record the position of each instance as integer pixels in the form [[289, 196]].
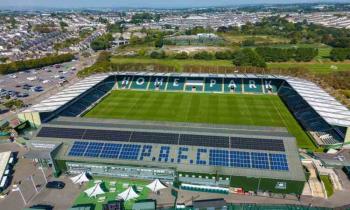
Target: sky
[[143, 3]]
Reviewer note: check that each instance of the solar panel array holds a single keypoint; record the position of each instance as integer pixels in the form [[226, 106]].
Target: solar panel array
[[163, 138], [257, 144], [166, 154]]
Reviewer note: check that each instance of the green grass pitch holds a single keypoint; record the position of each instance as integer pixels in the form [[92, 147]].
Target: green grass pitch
[[237, 109]]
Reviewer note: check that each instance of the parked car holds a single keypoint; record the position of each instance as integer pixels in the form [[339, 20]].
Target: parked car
[[55, 185], [22, 95], [37, 89]]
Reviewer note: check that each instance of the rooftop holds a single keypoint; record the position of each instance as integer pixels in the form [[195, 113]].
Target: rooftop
[[216, 138]]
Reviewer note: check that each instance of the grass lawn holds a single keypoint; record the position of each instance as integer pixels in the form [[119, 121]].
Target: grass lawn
[[320, 68], [323, 53], [232, 38], [239, 109], [178, 64], [316, 67], [111, 196], [328, 185], [315, 45]]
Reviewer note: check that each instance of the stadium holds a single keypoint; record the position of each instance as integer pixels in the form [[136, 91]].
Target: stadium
[[222, 130]]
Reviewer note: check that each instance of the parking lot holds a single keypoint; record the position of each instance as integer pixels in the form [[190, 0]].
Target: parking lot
[[30, 83], [32, 86]]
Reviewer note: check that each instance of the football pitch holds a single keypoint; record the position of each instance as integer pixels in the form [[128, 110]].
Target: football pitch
[[236, 109]]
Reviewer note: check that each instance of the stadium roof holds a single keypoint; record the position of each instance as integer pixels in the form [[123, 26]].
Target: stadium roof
[[324, 104], [4, 159], [60, 99]]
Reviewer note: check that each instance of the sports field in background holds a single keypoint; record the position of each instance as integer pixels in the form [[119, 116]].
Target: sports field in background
[[237, 109]]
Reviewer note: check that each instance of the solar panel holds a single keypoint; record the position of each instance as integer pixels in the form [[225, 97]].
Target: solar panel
[[110, 150], [201, 152], [278, 162], [146, 151], [257, 144], [239, 159], [181, 155], [51, 132], [130, 152], [218, 157], [164, 153], [94, 149], [202, 140], [78, 148], [157, 138], [107, 135], [259, 160]]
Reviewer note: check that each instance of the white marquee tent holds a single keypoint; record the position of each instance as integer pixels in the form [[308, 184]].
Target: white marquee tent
[[94, 191], [128, 194], [80, 178], [156, 185]]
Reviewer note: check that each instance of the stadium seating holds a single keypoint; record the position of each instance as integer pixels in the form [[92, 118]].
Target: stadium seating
[[252, 86], [271, 85], [140, 82], [233, 85], [158, 83], [84, 102], [213, 84], [322, 132], [194, 84], [124, 81], [176, 83]]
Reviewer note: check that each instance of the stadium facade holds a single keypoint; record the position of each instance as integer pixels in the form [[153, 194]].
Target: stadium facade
[[260, 159], [200, 154]]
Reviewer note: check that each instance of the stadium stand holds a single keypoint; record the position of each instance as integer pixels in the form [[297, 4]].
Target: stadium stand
[[322, 132], [213, 84], [187, 148], [319, 113]]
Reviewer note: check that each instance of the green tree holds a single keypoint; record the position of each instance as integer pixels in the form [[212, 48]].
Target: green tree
[[159, 43], [158, 54], [224, 55], [102, 42], [248, 57], [181, 55], [203, 55]]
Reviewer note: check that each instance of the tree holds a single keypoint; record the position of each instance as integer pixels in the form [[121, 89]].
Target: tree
[[135, 40], [223, 55], [305, 54], [181, 55], [248, 57], [63, 25], [339, 54], [204, 55], [248, 43], [159, 43], [117, 27], [102, 42], [158, 54], [34, 63]]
